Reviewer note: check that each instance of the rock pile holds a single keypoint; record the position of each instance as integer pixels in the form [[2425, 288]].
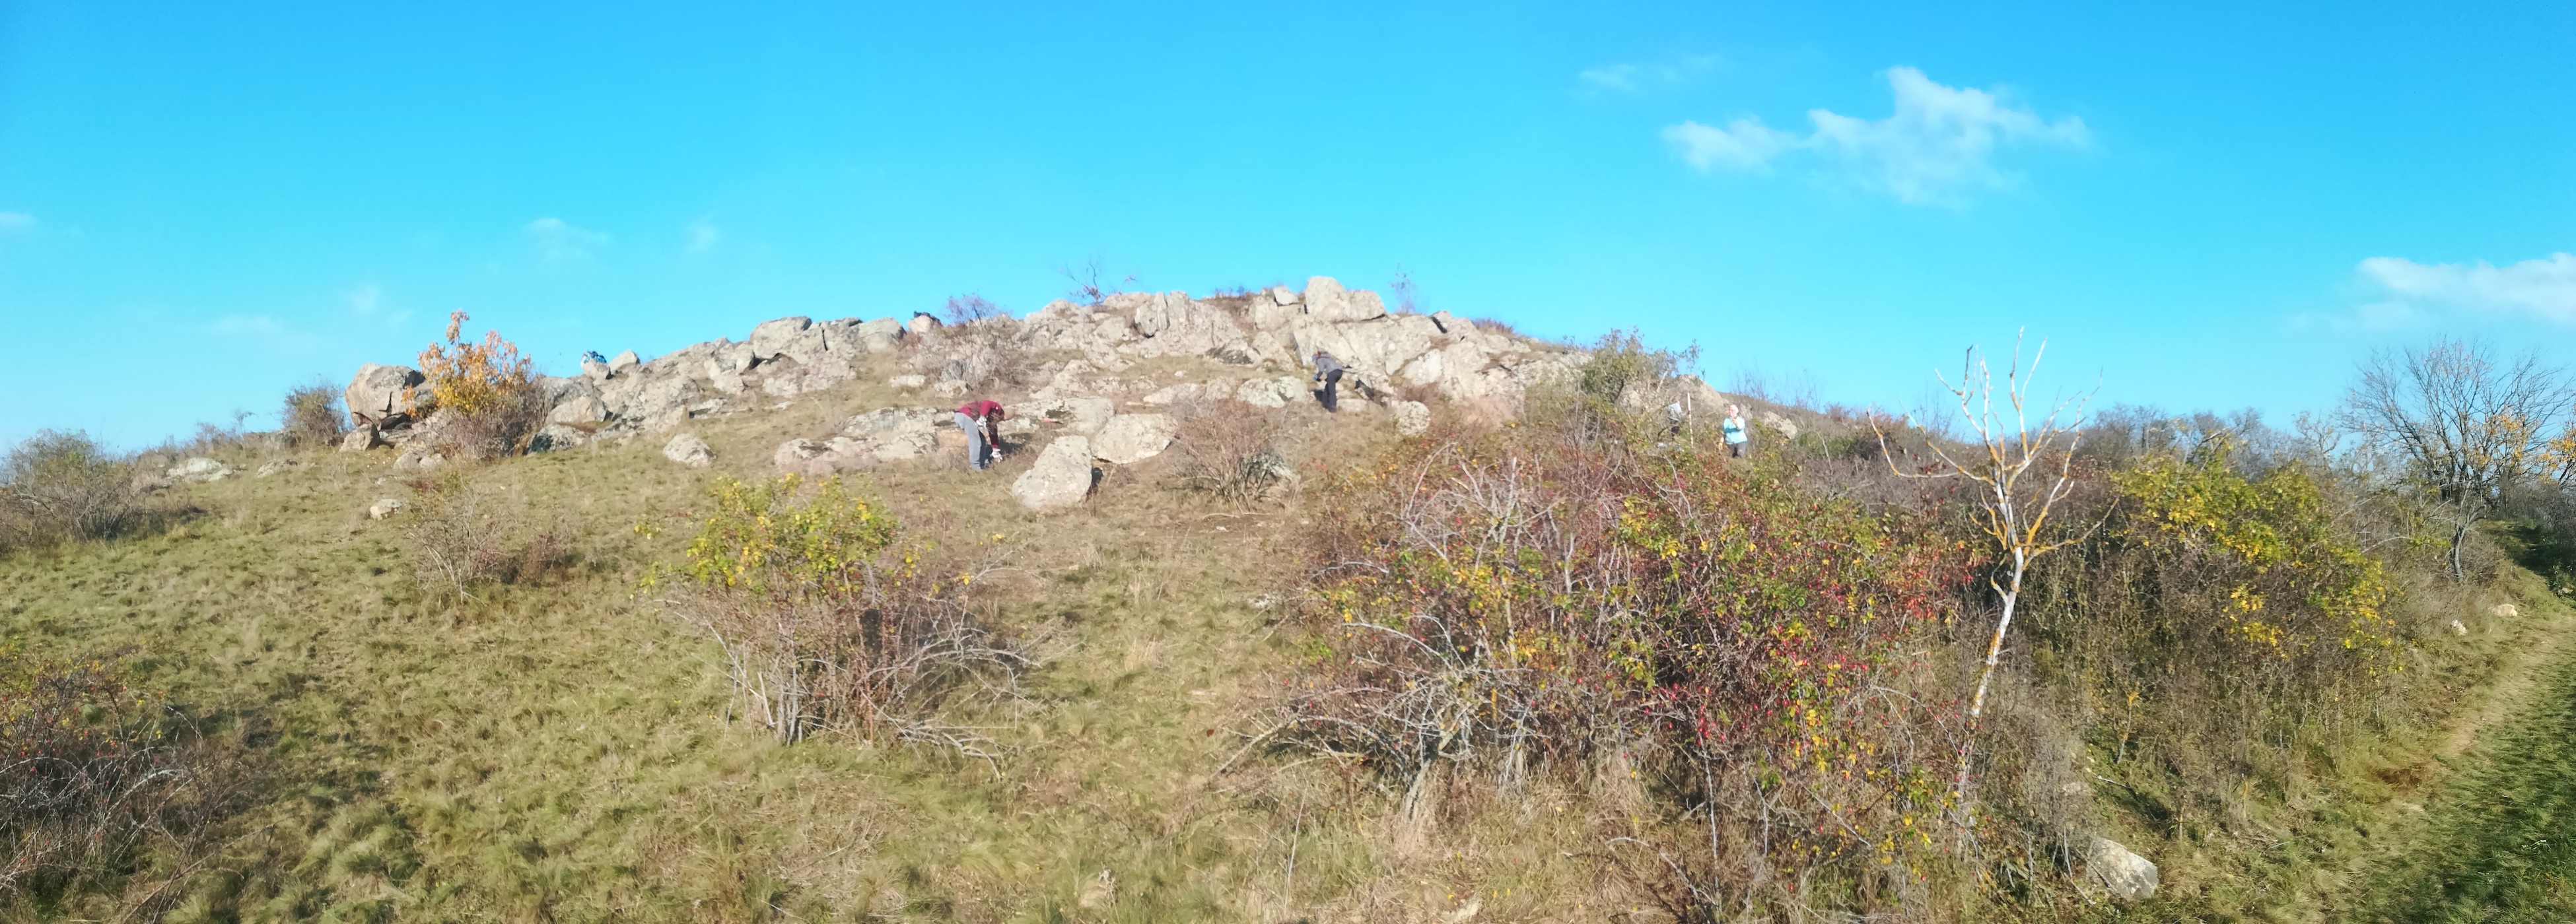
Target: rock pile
[[1250, 347]]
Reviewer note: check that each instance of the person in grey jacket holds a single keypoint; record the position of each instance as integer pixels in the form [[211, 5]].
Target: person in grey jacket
[[1328, 375]]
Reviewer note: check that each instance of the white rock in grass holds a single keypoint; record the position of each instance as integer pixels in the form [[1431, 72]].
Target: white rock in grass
[[1412, 417], [383, 508], [1131, 438], [199, 470], [1061, 477], [688, 450], [2505, 610], [2126, 874]]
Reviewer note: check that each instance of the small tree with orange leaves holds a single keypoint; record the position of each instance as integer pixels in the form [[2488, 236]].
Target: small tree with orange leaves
[[488, 388]]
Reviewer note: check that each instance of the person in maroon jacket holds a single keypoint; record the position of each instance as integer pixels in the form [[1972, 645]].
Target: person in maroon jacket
[[980, 444]]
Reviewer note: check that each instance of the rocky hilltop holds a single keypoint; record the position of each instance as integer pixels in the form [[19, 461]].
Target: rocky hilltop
[[1108, 374]]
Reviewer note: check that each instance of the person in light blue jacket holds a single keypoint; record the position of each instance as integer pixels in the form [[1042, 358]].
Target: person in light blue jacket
[[1733, 427]]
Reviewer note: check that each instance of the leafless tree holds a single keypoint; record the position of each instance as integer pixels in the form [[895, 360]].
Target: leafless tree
[[2024, 468], [2466, 423]]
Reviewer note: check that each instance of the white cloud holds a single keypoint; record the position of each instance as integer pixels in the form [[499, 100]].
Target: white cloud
[[2545, 287], [1935, 149], [16, 222], [704, 236], [1744, 144], [1640, 78], [559, 241]]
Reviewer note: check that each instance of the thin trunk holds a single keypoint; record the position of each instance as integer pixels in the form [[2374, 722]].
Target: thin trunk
[[1977, 706], [2459, 537]]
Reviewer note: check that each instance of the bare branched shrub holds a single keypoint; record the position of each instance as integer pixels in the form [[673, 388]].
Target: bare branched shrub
[[1232, 451], [1089, 287], [93, 772], [462, 535], [60, 486], [830, 620], [311, 415], [1725, 648]]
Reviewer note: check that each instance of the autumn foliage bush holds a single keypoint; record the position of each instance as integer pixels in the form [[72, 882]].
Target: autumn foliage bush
[[482, 396], [1566, 598], [829, 618]]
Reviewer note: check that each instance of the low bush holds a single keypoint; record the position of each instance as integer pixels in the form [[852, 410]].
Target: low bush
[[60, 486], [1564, 598], [829, 619], [1231, 451], [93, 773], [311, 416], [462, 536]]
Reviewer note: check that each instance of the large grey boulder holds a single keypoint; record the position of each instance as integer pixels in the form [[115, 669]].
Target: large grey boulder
[[578, 409], [688, 450], [770, 338], [1061, 477], [1326, 300], [380, 392], [878, 336], [361, 439], [2126, 874], [1131, 438], [1173, 324]]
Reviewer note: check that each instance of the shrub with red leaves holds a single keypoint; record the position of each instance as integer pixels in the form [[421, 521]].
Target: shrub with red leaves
[[1553, 598]]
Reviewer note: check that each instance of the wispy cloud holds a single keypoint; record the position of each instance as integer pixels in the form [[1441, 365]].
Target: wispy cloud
[[559, 241], [16, 222], [1936, 149], [704, 236], [1642, 78], [2544, 288], [266, 331], [367, 303]]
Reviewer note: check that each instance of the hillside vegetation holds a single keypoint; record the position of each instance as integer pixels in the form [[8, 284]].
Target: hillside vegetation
[[1539, 652]]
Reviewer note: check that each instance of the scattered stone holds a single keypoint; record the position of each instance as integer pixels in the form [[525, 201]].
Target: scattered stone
[[2126, 874], [419, 457], [2459, 628], [556, 437], [1412, 417], [2505, 610], [1061, 477], [908, 382], [361, 439], [380, 393], [1788, 429], [200, 470], [275, 466], [383, 508], [1131, 438], [688, 450]]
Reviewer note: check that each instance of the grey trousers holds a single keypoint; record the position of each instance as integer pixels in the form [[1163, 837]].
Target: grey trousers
[[978, 452]]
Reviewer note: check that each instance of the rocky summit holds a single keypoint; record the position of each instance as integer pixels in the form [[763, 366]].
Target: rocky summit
[[1109, 373]]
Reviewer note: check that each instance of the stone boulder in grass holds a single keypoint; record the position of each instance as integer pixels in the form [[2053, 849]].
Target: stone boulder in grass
[[1062, 476]]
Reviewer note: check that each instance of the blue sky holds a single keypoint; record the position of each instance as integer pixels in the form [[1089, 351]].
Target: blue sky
[[2217, 205]]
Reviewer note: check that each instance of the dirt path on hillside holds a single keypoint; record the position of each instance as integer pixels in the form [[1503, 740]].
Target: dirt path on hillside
[[2512, 694]]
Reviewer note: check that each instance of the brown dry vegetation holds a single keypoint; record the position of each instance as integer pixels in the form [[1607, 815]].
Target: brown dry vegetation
[[560, 743]]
